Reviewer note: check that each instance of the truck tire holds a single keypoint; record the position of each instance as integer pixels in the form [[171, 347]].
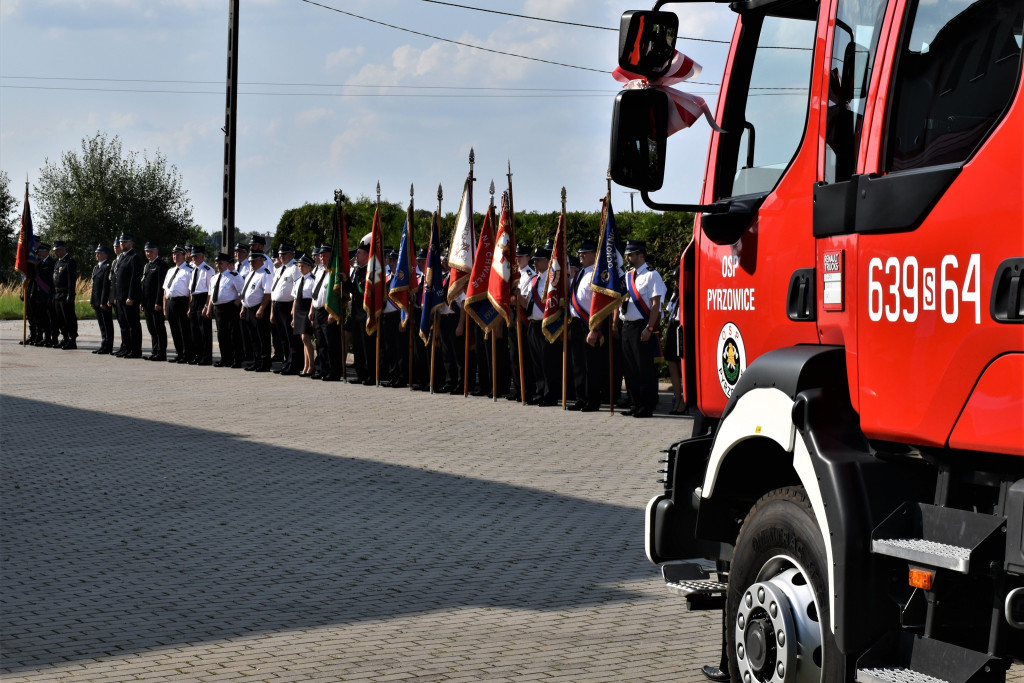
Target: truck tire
[[777, 613]]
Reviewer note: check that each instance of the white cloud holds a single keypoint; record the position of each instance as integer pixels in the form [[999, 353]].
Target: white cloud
[[363, 129], [8, 8], [309, 117], [345, 56]]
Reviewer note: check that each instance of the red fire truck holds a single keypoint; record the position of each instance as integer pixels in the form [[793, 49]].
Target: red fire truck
[[853, 316]]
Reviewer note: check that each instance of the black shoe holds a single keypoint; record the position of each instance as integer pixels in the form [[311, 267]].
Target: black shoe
[[262, 368], [287, 372], [397, 385], [368, 382], [132, 355], [221, 364], [161, 357], [236, 366], [578, 405], [643, 412], [251, 368], [96, 351], [590, 408], [330, 378], [205, 362], [181, 360], [714, 673], [477, 392], [316, 375], [547, 402], [70, 347], [628, 412]]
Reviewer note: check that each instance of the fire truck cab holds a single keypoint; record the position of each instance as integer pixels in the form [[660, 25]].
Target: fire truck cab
[[853, 317]]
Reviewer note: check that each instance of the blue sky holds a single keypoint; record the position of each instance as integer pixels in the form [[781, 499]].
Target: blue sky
[[298, 141]]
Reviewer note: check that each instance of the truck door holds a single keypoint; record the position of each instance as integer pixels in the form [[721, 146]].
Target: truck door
[[766, 161], [927, 224]]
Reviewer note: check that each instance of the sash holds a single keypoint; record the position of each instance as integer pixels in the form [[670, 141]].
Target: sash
[[638, 301], [536, 301], [583, 313]]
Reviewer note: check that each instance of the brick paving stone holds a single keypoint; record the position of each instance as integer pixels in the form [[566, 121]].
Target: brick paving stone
[[165, 522]]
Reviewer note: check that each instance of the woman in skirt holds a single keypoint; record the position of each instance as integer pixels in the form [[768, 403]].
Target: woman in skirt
[[300, 312]]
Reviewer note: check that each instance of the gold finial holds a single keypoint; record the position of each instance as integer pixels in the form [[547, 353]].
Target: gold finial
[[378, 192], [492, 188], [563, 199]]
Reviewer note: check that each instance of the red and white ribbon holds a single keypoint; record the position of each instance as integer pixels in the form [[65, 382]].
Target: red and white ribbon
[[687, 108]]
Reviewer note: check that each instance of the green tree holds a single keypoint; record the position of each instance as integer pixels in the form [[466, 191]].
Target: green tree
[[92, 196], [8, 229]]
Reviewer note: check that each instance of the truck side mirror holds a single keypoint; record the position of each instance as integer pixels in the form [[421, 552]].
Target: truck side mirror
[[639, 132], [647, 42]]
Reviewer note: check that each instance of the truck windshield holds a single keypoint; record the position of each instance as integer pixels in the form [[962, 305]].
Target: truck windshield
[[766, 106]]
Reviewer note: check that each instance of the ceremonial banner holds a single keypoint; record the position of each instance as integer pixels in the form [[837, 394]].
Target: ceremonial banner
[[504, 267], [433, 287], [609, 281], [554, 288], [402, 280], [338, 266], [478, 302], [373, 297], [463, 248], [25, 258]]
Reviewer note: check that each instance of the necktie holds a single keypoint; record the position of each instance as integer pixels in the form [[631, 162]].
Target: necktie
[[173, 276], [247, 281], [216, 287], [195, 280], [320, 282]]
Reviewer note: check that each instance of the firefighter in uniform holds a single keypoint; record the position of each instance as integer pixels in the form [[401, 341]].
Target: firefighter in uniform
[[545, 357], [328, 330], [127, 294], [255, 314], [199, 295], [176, 285], [41, 297], [641, 314], [100, 298], [65, 279], [282, 297], [587, 360], [520, 322], [225, 293], [153, 275], [362, 345]]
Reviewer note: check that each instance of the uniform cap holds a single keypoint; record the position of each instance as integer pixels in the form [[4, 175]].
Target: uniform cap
[[285, 249], [542, 252], [221, 256], [586, 247], [42, 245], [100, 248], [259, 239], [59, 244], [178, 249], [125, 237], [523, 250], [633, 247], [241, 246], [150, 245], [257, 255], [199, 249], [305, 258], [326, 249], [421, 254]]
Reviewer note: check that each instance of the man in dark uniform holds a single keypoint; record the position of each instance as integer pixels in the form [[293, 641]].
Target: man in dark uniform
[[65, 279], [41, 297], [362, 344], [589, 364], [520, 327], [641, 315], [328, 330], [153, 274], [176, 300], [127, 295], [100, 299]]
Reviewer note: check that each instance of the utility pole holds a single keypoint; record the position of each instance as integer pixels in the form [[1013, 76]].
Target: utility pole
[[631, 195], [227, 234]]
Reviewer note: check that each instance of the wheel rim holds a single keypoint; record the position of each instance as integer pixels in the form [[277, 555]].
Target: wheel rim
[[777, 629]]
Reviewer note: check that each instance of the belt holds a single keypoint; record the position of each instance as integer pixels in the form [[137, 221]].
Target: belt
[[635, 322], [176, 298], [226, 303]]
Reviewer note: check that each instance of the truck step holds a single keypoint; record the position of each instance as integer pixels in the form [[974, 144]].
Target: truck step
[[697, 581], [907, 658], [941, 537], [900, 675]]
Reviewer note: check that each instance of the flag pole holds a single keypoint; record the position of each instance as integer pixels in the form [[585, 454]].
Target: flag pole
[[494, 335], [434, 314], [339, 219], [611, 320], [380, 320], [515, 295], [24, 282], [565, 310], [465, 326], [412, 274]]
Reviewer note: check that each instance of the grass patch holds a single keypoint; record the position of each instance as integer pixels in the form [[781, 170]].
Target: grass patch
[[11, 306]]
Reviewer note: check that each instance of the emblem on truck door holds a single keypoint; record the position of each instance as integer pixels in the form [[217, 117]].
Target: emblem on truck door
[[732, 357]]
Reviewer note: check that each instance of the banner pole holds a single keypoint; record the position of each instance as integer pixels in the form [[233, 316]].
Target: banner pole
[[494, 365], [465, 347], [515, 295], [565, 310], [611, 365], [24, 312]]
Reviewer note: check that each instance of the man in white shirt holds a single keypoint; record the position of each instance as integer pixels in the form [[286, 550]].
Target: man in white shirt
[[545, 357], [255, 314], [587, 361], [282, 297], [225, 293], [641, 315], [199, 292], [176, 297]]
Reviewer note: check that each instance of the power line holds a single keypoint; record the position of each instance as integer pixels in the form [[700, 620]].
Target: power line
[[311, 94], [454, 42], [519, 16], [308, 85]]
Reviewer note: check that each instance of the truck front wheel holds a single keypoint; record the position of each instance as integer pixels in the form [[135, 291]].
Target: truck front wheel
[[777, 619]]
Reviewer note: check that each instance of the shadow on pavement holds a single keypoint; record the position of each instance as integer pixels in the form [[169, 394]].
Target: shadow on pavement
[[145, 534]]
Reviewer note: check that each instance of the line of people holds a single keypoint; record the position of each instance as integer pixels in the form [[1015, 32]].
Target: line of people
[[271, 316]]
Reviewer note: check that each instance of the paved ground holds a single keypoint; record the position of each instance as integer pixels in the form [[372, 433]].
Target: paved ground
[[167, 522]]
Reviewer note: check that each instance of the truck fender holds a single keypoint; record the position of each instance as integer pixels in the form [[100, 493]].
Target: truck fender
[[795, 401]]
